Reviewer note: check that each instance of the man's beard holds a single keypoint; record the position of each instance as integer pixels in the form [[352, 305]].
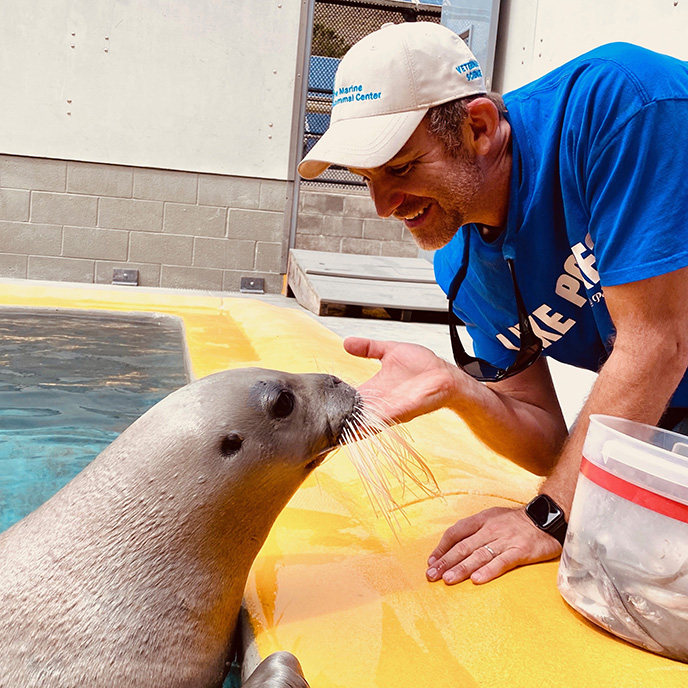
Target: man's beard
[[436, 239], [466, 178]]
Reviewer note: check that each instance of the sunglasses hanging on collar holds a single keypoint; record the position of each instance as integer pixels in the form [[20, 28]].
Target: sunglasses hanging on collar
[[530, 344]]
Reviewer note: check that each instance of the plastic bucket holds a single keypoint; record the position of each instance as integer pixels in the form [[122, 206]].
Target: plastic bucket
[[625, 560]]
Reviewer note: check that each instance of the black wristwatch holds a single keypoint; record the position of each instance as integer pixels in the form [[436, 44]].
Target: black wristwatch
[[547, 515]]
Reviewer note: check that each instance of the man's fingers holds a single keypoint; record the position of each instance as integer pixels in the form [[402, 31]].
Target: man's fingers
[[411, 380], [507, 560], [457, 533], [479, 563], [487, 545], [462, 559], [364, 348]]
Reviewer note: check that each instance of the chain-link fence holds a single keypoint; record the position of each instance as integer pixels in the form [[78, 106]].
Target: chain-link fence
[[337, 25]]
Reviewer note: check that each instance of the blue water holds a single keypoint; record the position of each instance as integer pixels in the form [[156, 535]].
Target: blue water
[[70, 383]]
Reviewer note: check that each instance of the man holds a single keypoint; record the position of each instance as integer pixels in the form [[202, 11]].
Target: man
[[562, 224]]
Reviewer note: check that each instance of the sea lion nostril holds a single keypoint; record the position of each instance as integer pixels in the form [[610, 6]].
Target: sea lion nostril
[[231, 443]]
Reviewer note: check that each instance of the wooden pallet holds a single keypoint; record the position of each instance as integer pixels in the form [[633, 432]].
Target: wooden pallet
[[401, 286]]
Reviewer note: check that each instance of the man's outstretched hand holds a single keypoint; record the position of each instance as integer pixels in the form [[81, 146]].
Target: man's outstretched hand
[[484, 546], [412, 380]]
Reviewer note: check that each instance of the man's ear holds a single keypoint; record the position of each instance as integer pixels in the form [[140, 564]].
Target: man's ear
[[481, 125]]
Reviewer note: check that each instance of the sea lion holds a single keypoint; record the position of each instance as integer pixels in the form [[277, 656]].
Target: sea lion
[[133, 574]]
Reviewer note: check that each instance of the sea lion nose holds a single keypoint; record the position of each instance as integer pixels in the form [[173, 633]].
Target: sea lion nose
[[339, 404]]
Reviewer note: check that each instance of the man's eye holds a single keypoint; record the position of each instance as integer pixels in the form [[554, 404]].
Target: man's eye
[[401, 170]]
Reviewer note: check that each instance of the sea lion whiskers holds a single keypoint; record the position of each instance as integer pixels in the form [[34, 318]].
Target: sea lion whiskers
[[383, 457]]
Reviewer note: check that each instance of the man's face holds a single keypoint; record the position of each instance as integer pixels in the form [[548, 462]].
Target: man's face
[[432, 193]]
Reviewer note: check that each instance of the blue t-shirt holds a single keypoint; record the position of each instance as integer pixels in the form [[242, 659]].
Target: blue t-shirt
[[598, 197]]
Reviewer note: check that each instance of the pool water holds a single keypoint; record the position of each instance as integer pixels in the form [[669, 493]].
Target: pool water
[[70, 383]]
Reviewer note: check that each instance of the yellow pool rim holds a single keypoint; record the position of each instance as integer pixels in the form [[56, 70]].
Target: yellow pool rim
[[333, 583]]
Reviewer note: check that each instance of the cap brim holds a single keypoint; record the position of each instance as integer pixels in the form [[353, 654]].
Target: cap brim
[[363, 142]]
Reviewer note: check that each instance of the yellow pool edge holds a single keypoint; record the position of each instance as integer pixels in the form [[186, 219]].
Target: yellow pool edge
[[332, 583]]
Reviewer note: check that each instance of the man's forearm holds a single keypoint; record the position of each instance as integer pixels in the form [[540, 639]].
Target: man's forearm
[[520, 420], [637, 388]]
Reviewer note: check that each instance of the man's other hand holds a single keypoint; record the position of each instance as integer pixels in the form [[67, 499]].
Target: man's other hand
[[484, 546]]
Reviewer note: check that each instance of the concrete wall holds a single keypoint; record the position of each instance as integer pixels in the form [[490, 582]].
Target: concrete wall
[[345, 221], [157, 136], [163, 139], [75, 221]]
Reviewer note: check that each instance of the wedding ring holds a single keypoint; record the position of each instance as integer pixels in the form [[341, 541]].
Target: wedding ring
[[490, 550]]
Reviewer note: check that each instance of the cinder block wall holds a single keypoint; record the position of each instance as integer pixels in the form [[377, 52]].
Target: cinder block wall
[[74, 221], [344, 221]]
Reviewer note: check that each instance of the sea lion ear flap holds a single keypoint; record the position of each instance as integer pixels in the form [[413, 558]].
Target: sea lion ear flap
[[231, 444]]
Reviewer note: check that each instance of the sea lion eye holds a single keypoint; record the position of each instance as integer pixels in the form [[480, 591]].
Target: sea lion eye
[[283, 404], [231, 443]]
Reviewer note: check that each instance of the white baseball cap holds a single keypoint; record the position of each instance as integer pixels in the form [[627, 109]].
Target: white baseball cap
[[384, 86]]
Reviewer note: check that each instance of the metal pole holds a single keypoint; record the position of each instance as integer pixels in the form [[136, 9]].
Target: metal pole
[[298, 118]]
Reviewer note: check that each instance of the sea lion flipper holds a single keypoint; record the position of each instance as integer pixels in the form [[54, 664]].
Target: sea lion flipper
[[278, 670]]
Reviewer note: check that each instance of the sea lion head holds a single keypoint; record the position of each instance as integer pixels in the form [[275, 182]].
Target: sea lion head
[[303, 413], [250, 426]]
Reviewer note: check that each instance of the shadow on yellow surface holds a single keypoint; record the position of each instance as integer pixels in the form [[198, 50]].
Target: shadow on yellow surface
[[335, 586]]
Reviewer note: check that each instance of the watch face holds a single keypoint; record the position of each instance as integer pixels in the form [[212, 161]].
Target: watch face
[[544, 511]]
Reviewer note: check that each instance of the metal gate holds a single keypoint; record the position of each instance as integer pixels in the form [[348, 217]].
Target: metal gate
[[337, 25]]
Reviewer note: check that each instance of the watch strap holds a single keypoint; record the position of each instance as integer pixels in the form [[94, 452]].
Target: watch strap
[[558, 531]]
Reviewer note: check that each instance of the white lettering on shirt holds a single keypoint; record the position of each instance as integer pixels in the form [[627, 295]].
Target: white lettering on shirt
[[568, 287], [548, 324], [553, 320], [586, 260], [506, 343]]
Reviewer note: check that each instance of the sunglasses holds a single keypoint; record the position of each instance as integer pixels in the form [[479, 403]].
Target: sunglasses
[[529, 350]]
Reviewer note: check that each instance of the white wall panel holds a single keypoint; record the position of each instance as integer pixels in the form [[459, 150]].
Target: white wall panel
[[536, 36], [195, 85]]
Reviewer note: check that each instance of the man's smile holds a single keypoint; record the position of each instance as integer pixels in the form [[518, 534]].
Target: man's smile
[[413, 217]]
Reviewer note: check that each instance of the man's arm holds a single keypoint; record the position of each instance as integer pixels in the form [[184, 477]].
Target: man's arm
[[649, 359], [521, 420]]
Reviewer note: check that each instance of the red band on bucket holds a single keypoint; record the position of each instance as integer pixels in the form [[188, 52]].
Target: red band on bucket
[[633, 493]]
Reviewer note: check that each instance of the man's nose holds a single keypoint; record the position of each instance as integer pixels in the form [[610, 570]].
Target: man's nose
[[386, 198]]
